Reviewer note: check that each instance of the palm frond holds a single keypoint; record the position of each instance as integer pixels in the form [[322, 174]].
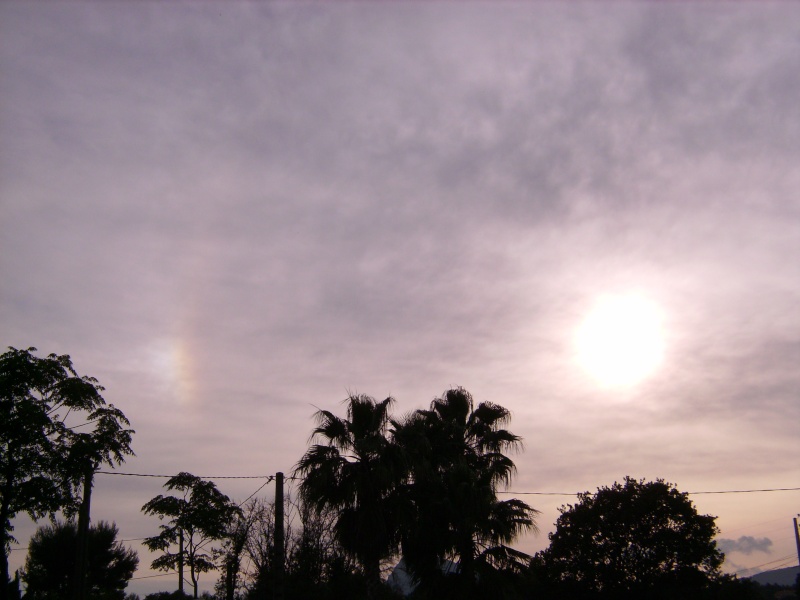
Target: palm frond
[[504, 558]]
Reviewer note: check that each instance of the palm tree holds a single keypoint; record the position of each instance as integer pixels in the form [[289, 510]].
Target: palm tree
[[355, 469], [457, 459]]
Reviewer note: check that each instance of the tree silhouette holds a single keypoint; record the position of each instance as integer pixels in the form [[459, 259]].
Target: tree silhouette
[[457, 459], [43, 459], [200, 515], [50, 566], [316, 566], [636, 539], [355, 470]]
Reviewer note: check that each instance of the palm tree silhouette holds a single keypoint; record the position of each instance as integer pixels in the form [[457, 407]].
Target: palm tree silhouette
[[457, 459], [355, 469]]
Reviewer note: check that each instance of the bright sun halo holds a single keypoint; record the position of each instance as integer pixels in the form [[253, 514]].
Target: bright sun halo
[[620, 342]]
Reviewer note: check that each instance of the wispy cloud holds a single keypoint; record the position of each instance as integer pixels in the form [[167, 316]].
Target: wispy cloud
[[233, 213]]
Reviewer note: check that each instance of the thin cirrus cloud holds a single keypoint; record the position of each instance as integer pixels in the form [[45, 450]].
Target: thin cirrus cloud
[[234, 214]]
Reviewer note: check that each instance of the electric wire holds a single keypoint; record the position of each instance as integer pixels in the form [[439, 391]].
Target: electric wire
[[747, 491], [520, 493], [170, 476], [154, 576], [761, 523], [271, 478], [788, 557], [689, 493], [267, 482]]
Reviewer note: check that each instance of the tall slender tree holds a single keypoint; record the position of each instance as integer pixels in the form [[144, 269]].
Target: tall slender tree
[[355, 469], [198, 516], [458, 462]]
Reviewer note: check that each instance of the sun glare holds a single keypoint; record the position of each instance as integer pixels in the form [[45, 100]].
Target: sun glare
[[620, 342]]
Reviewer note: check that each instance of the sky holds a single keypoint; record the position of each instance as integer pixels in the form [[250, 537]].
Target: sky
[[235, 214]]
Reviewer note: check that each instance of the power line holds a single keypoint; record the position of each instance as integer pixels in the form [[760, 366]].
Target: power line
[[748, 491], [269, 479], [154, 576], [540, 493], [120, 541], [200, 476], [294, 477], [788, 557], [690, 493], [266, 483]]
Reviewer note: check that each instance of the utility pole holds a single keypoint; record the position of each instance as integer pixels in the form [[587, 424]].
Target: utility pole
[[79, 585], [797, 538], [280, 547]]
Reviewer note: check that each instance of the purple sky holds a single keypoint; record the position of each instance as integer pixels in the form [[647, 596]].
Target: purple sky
[[233, 213]]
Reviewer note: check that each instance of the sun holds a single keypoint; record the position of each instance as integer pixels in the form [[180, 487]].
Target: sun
[[620, 342]]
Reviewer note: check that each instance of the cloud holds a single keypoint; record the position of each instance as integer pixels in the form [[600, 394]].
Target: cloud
[[231, 216], [746, 544]]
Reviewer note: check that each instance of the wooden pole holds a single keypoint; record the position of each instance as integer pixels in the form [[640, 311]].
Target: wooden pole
[[79, 585], [280, 537]]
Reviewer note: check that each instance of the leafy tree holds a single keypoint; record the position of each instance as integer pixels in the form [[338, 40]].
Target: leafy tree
[[50, 566], [456, 453], [200, 515], [355, 471], [631, 540], [43, 459]]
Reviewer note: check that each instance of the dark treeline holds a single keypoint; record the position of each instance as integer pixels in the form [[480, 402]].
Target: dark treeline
[[424, 488], [385, 507]]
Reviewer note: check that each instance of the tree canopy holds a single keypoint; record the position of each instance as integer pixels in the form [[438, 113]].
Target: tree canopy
[[199, 515], [427, 484], [630, 539], [457, 460], [50, 565], [355, 470], [43, 458]]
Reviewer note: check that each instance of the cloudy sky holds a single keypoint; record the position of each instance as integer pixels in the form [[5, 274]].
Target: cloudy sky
[[231, 214]]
